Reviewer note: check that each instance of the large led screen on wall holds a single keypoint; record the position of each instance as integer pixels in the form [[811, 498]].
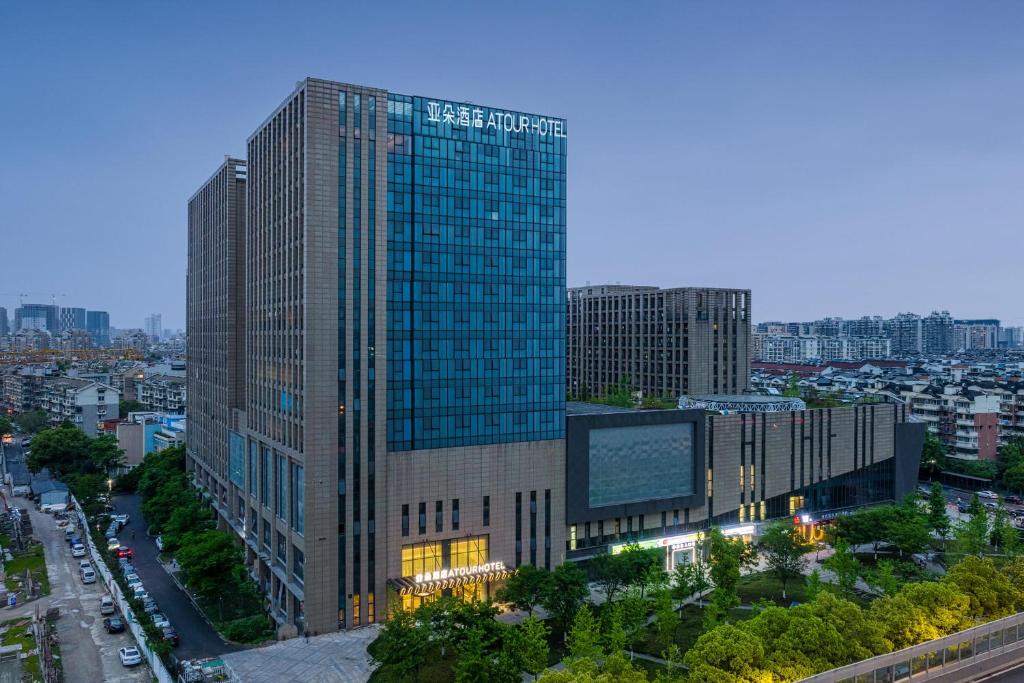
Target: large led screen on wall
[[640, 463]]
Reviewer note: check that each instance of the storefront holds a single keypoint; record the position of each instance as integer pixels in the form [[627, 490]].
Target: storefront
[[459, 568], [683, 549]]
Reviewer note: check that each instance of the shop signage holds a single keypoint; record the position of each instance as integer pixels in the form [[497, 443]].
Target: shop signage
[[460, 572], [443, 579], [465, 117], [684, 540]]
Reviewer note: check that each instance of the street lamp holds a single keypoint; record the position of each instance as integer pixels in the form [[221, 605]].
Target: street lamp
[[110, 486]]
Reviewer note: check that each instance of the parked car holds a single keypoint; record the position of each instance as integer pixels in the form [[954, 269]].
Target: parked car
[[88, 575], [121, 519], [107, 605], [62, 523], [987, 494], [128, 568], [113, 544], [991, 505], [125, 552], [171, 636], [74, 539], [130, 656], [150, 607], [78, 550], [113, 624], [84, 564], [962, 507], [160, 621], [70, 533], [140, 593], [1013, 500]]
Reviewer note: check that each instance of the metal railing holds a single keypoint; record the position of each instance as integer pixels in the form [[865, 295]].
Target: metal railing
[[966, 649]]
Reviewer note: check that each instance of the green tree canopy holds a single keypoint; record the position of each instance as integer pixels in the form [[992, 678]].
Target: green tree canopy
[[525, 588], [32, 421], [565, 592], [989, 590], [783, 549], [211, 562]]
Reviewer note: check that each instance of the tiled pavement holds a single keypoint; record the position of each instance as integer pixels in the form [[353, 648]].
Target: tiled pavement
[[332, 658]]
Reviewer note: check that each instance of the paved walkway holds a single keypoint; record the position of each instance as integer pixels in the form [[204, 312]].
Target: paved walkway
[[331, 658]]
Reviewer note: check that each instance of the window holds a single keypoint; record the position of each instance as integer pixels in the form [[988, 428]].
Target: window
[[405, 520], [439, 517], [298, 565], [487, 510], [282, 550], [423, 518], [265, 478], [455, 514], [298, 499]]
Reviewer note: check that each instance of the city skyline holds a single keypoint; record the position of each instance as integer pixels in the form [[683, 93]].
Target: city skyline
[[775, 170]]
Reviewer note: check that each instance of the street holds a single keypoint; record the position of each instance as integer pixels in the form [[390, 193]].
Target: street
[[198, 638], [88, 652]]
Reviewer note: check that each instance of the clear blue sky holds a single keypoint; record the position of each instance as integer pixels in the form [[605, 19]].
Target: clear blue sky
[[837, 158]]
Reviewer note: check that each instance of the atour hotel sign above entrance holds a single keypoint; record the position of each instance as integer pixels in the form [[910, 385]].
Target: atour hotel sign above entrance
[[466, 117], [442, 579]]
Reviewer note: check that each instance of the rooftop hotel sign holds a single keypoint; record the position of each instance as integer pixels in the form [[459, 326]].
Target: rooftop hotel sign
[[466, 117]]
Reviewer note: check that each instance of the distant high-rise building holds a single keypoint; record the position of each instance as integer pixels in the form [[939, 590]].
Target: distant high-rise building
[[36, 317], [937, 333], [72, 319], [970, 335], [906, 334], [154, 326], [662, 342], [1011, 337], [4, 325], [97, 323], [867, 326]]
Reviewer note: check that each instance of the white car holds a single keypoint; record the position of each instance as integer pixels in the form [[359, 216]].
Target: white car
[[107, 605], [120, 519], [987, 494], [113, 544], [78, 550], [130, 656], [160, 621], [84, 564]]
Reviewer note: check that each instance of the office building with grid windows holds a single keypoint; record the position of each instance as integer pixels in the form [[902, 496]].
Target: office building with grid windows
[[662, 343], [403, 421]]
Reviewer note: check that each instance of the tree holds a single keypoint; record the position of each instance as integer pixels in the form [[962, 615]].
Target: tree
[[971, 536], [883, 578], [1013, 477], [402, 644], [211, 563], [727, 557], [1005, 537], [129, 406], [783, 549], [689, 578], [62, 449], [189, 518], [989, 590], [31, 422], [933, 455], [792, 389], [844, 565], [813, 584], [907, 528], [643, 567], [525, 588], [610, 573], [105, 453], [666, 619], [532, 645], [726, 653], [585, 636], [474, 665], [5, 426], [938, 518], [565, 592]]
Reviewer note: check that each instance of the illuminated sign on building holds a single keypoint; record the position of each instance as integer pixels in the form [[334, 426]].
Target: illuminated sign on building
[[442, 579], [682, 541], [461, 115]]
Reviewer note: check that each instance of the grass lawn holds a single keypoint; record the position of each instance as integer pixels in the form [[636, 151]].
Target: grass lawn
[[32, 559], [18, 632], [764, 586]]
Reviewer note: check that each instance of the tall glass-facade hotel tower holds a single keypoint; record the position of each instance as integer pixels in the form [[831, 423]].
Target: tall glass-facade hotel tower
[[402, 432]]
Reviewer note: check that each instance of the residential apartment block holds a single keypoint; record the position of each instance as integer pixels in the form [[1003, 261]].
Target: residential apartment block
[[163, 394], [661, 342], [84, 403]]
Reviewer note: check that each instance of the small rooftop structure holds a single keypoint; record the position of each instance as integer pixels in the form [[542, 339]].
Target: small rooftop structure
[[741, 403]]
